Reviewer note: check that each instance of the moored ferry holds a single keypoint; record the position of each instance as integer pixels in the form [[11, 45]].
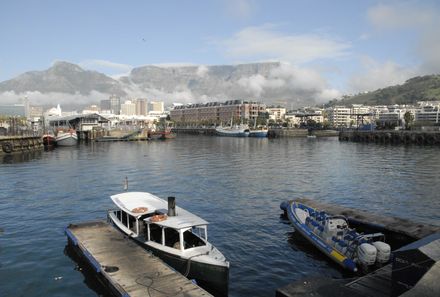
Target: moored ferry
[[175, 235]]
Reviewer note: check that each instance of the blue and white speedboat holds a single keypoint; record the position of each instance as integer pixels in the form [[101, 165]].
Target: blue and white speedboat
[[234, 131], [332, 236]]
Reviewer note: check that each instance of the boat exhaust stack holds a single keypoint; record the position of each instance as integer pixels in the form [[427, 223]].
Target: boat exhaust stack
[[171, 206]]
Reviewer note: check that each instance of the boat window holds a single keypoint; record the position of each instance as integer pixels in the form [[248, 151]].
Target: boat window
[[131, 223], [124, 218], [172, 238], [118, 214], [199, 231], [155, 233], [192, 240]]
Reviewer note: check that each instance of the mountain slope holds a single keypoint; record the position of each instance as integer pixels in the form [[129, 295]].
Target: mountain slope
[[63, 77], [420, 88]]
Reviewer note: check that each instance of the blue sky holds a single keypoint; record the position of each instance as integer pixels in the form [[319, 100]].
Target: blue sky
[[350, 45]]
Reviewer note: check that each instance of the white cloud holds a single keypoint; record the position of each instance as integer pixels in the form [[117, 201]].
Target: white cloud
[[265, 43], [52, 98], [400, 15], [202, 71], [294, 82], [107, 67], [375, 75]]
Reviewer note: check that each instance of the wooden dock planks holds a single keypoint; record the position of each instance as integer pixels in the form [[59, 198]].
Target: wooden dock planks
[[139, 273]]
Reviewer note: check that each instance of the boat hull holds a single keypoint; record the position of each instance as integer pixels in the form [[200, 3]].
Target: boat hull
[[232, 132], [258, 133], [213, 278], [49, 140], [318, 242], [67, 140]]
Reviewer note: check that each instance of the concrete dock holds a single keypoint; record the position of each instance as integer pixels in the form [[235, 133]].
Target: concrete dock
[[392, 137], [125, 268]]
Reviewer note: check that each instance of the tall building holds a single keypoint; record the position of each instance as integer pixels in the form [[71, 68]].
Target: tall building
[[141, 106], [128, 108], [156, 107], [115, 104]]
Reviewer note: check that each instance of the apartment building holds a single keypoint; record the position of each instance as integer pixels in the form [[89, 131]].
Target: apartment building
[[217, 112]]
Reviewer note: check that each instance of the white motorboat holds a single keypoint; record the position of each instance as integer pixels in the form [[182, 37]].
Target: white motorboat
[[332, 236], [234, 131], [173, 234], [66, 137]]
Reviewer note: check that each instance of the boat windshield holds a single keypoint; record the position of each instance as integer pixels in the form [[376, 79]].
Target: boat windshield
[[192, 237]]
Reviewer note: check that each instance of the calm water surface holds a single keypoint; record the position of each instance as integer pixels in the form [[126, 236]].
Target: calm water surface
[[235, 184]]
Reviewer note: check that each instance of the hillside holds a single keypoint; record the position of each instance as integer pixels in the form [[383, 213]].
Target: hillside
[[420, 88]]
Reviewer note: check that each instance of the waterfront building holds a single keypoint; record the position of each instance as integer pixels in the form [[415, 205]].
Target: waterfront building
[[339, 116], [218, 112], [35, 111], [156, 107], [276, 113], [296, 118], [115, 104], [91, 109], [141, 106], [428, 114], [128, 108], [393, 116]]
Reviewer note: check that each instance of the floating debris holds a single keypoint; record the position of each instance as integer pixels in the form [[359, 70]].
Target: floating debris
[[58, 278]]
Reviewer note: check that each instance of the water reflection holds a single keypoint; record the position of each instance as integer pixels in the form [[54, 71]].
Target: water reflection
[[20, 157]]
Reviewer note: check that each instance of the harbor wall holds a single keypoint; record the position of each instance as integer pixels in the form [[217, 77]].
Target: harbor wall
[[392, 137], [16, 144], [274, 132]]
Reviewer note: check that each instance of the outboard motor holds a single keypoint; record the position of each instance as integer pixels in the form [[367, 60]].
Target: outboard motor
[[383, 251], [366, 254], [171, 206]]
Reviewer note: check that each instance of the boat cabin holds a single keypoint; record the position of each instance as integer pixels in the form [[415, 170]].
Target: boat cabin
[[144, 216]]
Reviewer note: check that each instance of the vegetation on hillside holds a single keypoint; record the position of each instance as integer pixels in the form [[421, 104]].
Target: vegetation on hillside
[[420, 88]]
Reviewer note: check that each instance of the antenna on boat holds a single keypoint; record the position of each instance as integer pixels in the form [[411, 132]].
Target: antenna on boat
[[126, 184]]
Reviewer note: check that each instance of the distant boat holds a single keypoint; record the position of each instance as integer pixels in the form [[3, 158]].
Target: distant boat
[[258, 133], [173, 234], [311, 136], [67, 137], [332, 236], [49, 140], [233, 131]]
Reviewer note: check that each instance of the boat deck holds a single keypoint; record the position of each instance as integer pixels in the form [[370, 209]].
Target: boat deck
[[127, 268]]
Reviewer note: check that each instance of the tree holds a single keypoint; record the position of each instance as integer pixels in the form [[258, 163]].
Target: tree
[[409, 118]]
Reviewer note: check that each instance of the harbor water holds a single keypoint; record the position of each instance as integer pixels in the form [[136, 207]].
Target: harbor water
[[236, 184]]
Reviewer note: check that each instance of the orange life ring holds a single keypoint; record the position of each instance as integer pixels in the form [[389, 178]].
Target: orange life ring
[[139, 209], [158, 218]]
